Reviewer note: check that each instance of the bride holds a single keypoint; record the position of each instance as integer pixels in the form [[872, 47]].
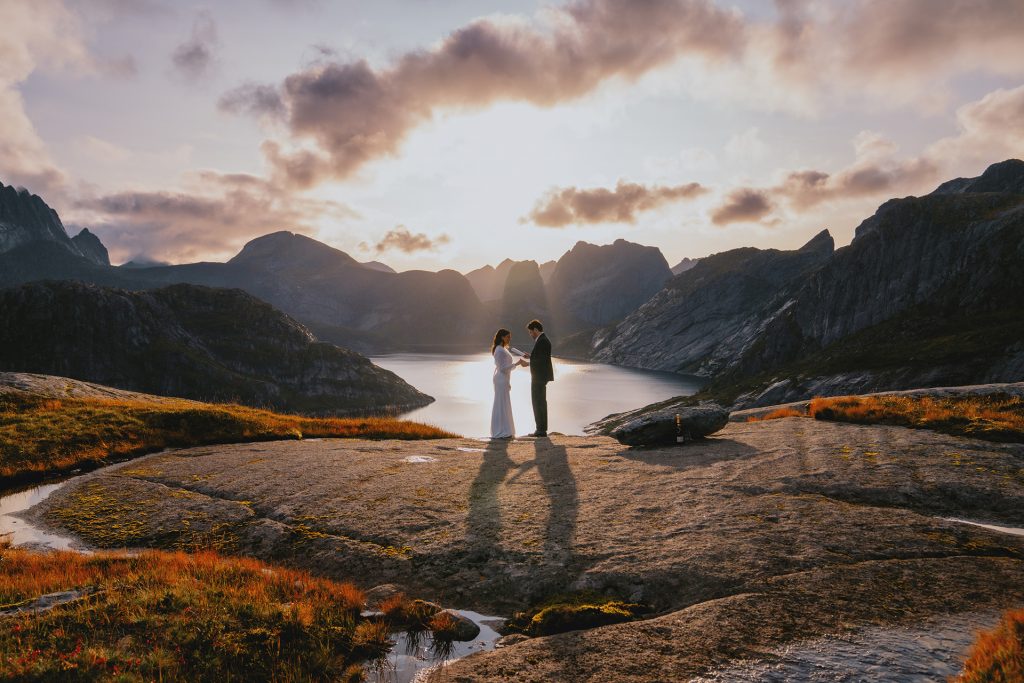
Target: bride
[[502, 426]]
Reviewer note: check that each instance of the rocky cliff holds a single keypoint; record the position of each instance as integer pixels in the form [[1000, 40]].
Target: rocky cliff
[[703, 314], [593, 286], [191, 342]]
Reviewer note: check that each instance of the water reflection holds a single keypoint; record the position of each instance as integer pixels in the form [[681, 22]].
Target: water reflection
[[580, 394], [20, 532]]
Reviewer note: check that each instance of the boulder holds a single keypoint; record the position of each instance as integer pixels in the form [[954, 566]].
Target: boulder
[[465, 628], [658, 427]]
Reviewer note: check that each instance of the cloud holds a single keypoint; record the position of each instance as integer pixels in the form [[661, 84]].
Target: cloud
[[255, 99], [215, 215], [37, 35], [743, 205], [341, 115], [337, 116], [195, 59], [571, 205], [405, 241]]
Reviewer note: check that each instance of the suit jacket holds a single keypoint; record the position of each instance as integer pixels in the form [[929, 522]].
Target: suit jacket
[[540, 361]]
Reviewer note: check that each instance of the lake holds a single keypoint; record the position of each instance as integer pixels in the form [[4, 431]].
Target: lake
[[581, 393]]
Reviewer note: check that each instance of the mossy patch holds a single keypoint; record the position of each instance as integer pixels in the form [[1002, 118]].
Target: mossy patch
[[574, 612]]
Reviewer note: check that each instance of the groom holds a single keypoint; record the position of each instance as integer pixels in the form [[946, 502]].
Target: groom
[[541, 373]]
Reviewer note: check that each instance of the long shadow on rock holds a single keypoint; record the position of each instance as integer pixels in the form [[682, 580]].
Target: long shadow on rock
[[563, 510], [701, 453], [483, 535]]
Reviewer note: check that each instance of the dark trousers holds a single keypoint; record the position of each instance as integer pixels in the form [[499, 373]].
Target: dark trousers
[[539, 395]]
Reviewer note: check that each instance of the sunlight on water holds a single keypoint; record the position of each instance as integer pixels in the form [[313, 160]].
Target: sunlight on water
[[580, 394]]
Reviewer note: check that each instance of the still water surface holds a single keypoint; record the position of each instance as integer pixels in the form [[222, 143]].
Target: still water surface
[[581, 393]]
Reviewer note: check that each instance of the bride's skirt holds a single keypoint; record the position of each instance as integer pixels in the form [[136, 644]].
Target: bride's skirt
[[502, 425]]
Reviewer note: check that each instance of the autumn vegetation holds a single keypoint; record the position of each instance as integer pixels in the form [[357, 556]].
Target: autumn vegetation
[[159, 616], [994, 417], [40, 436], [997, 656]]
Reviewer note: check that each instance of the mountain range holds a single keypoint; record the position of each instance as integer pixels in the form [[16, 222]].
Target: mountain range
[[929, 292], [364, 306]]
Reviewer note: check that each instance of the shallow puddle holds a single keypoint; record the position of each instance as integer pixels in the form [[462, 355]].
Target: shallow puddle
[[412, 662], [929, 653], [21, 532]]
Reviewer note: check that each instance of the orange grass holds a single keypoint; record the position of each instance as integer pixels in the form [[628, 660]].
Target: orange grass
[[776, 414], [997, 656], [995, 417], [40, 436], [174, 616]]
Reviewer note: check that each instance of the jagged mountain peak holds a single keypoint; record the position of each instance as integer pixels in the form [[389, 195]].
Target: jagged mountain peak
[[25, 218], [823, 241]]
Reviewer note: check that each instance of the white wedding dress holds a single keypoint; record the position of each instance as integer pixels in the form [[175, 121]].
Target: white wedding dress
[[502, 425]]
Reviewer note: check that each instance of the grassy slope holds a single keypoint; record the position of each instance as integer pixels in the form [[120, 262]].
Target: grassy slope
[[43, 436], [997, 656], [174, 616]]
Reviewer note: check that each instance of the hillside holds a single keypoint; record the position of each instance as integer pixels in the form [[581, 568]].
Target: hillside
[[191, 342]]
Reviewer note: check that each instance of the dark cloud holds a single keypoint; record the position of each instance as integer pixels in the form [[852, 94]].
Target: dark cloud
[[743, 205], [195, 58], [353, 113], [403, 240], [224, 211], [254, 99], [571, 205]]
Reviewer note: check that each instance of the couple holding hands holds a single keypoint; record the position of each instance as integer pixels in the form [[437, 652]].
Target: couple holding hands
[[541, 372]]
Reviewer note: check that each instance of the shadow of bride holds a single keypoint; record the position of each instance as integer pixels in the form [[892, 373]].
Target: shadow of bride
[[484, 519]]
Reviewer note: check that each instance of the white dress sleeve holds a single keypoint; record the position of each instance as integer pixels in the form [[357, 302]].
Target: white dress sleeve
[[503, 360]]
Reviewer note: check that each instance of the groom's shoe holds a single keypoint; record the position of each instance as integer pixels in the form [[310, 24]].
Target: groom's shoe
[[539, 434]]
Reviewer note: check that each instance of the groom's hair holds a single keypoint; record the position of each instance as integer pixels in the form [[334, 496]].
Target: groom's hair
[[535, 325]]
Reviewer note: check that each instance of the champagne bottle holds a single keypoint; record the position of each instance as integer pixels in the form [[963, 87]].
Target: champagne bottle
[[680, 437]]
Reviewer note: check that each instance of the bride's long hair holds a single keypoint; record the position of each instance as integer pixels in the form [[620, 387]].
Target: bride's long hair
[[499, 339]]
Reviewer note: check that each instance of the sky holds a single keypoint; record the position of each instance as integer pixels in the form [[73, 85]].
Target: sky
[[437, 134]]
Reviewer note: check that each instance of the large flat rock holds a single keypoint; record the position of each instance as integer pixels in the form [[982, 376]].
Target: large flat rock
[[762, 533]]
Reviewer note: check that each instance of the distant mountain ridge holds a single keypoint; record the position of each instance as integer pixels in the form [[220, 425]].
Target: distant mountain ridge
[[365, 306], [191, 342]]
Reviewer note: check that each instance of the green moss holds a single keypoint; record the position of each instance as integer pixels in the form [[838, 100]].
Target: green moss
[[573, 612]]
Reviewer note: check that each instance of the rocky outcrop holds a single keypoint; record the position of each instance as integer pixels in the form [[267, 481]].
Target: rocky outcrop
[[26, 218], [191, 342], [704, 315], [593, 286], [662, 425], [91, 248]]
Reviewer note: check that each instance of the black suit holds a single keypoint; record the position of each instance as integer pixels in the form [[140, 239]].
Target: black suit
[[541, 373]]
